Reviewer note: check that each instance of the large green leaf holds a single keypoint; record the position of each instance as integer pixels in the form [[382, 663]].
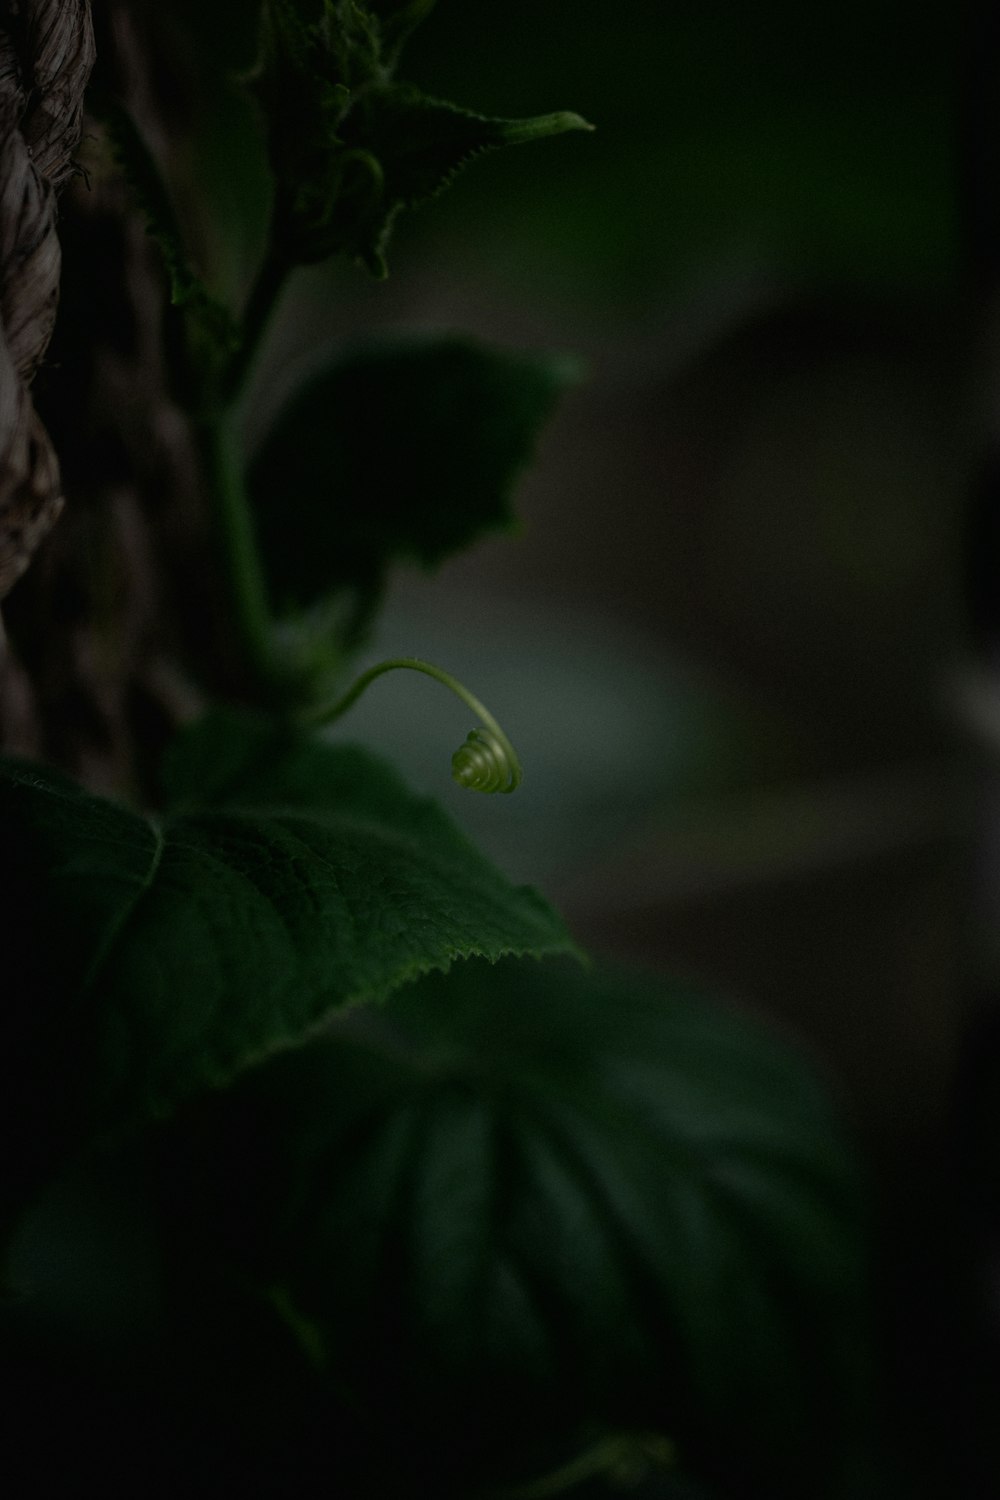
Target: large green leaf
[[396, 449], [147, 959], [539, 1202]]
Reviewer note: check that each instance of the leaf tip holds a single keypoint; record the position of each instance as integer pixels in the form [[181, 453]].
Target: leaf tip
[[562, 121], [538, 127]]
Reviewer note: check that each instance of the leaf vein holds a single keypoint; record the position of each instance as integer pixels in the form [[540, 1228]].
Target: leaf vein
[[117, 926]]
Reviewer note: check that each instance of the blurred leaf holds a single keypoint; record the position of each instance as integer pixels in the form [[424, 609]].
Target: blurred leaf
[[536, 1201], [396, 449], [152, 199], [145, 960]]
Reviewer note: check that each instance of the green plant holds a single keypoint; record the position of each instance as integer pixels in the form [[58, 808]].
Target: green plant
[[419, 1205]]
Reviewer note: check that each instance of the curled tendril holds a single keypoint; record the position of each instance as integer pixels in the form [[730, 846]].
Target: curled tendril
[[483, 763], [486, 761]]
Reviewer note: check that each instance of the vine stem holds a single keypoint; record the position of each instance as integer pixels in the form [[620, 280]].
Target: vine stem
[[267, 287], [236, 537], [329, 712], [237, 546]]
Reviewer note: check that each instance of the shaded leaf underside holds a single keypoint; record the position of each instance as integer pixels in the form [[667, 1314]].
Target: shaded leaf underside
[[522, 1188]]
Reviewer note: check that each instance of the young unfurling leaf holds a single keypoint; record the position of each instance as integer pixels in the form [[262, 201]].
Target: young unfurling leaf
[[348, 147], [416, 147], [397, 19]]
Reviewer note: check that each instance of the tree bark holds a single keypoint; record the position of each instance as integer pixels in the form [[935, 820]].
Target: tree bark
[[122, 592]]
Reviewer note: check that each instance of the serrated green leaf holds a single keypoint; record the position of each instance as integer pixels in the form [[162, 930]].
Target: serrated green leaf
[[152, 199], [145, 960], [311, 60], [348, 148], [423, 142], [396, 449], [538, 1201], [420, 145]]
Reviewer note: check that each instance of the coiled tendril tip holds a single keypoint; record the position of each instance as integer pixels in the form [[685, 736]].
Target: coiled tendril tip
[[486, 761]]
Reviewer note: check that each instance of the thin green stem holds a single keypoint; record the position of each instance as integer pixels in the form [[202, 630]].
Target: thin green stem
[[503, 748], [235, 536], [237, 547], [261, 302]]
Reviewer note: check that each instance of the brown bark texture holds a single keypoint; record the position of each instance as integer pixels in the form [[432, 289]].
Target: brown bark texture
[[123, 589], [46, 54]]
